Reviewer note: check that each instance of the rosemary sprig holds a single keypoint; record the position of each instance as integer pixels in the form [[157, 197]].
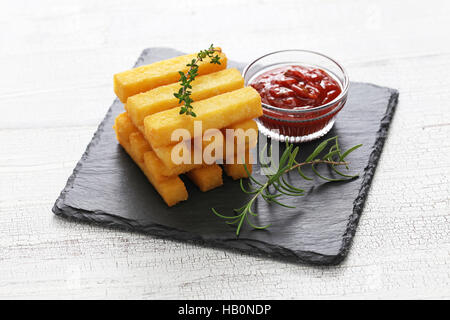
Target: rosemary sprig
[[276, 185], [184, 94]]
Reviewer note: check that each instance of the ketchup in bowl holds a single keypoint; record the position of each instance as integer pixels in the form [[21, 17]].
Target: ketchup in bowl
[[296, 87], [300, 100]]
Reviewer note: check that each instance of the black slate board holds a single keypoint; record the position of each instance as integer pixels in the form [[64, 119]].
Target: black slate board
[[107, 188]]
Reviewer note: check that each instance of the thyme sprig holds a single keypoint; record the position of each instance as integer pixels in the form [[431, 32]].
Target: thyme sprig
[[184, 94], [276, 184]]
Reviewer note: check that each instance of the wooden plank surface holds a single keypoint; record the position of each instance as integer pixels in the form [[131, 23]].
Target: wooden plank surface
[[57, 62]]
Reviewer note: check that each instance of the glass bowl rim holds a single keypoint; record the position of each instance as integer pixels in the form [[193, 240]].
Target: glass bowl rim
[[343, 93]]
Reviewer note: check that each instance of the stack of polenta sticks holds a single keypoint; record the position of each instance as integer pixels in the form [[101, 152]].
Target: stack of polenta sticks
[[152, 114]]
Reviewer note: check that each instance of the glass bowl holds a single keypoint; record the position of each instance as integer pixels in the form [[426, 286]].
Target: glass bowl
[[304, 124]]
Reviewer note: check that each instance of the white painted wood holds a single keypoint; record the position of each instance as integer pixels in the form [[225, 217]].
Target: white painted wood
[[57, 59]]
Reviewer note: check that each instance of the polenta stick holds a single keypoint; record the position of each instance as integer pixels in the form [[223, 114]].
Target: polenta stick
[[237, 171], [172, 155], [234, 168], [194, 159], [162, 98], [206, 178], [239, 137], [180, 169], [166, 166], [144, 78], [171, 189], [216, 112], [124, 128]]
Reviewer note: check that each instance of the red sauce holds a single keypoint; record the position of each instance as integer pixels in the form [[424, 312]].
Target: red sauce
[[296, 87]]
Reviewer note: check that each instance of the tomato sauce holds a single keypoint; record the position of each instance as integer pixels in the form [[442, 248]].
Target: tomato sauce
[[296, 87]]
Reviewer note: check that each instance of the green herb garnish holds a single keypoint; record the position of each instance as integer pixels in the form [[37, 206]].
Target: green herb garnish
[[276, 185], [184, 94]]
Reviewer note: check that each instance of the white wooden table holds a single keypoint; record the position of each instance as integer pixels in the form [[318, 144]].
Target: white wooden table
[[57, 59]]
